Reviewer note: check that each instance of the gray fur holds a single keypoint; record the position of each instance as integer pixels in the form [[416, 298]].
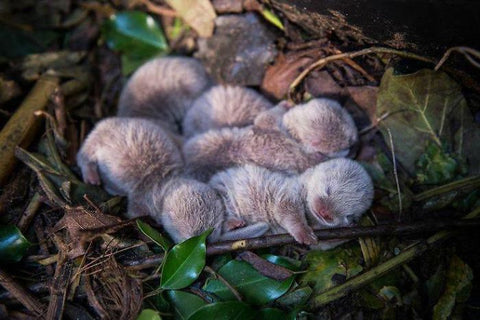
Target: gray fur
[[332, 194], [321, 125], [164, 89], [224, 106], [135, 157], [217, 150], [253, 195]]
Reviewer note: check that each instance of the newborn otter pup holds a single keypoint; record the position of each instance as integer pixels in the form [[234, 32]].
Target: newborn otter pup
[[224, 106], [135, 157], [164, 89], [216, 150], [332, 194], [252, 194], [320, 125]]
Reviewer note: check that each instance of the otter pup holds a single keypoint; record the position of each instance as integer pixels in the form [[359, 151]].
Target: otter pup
[[332, 194], [224, 106], [252, 194], [135, 157], [164, 89], [216, 150]]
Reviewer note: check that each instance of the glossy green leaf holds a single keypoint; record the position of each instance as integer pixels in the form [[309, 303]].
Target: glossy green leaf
[[326, 268], [231, 310], [295, 298], [134, 33], [184, 262], [424, 107], [457, 290], [13, 245], [185, 304], [154, 235], [130, 62], [272, 314], [149, 314], [288, 263], [253, 286]]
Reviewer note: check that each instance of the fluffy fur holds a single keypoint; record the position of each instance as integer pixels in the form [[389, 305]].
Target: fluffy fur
[[217, 150], [252, 194], [224, 106], [164, 89], [135, 157], [321, 125]]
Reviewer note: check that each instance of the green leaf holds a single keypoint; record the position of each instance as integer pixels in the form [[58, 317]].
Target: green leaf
[[272, 18], [149, 314], [424, 107], [13, 245], [130, 63], [135, 34], [255, 287], [272, 314], [231, 310], [154, 235], [295, 298], [184, 303], [184, 262], [436, 166], [288, 263], [324, 267], [457, 290]]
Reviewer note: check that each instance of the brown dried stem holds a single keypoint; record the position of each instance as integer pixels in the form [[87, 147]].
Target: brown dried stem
[[349, 55], [466, 51]]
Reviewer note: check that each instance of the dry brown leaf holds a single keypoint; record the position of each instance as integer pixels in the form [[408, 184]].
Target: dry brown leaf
[[77, 221], [198, 14]]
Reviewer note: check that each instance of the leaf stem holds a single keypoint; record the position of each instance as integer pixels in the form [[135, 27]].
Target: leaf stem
[[466, 183]]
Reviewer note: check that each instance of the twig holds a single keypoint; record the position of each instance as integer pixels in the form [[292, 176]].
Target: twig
[[29, 212], [466, 51], [322, 234], [467, 183], [225, 282], [374, 273], [60, 281], [23, 296], [357, 67], [395, 174], [323, 61]]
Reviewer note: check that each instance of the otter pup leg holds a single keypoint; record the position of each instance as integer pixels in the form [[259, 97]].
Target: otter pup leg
[[255, 230]]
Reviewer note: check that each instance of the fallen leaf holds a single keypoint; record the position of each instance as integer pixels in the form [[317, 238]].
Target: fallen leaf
[[199, 14], [78, 220]]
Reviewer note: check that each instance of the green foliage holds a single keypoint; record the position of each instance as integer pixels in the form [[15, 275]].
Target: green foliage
[[425, 107], [184, 262], [136, 35], [325, 266], [185, 304], [149, 314], [255, 287], [13, 245], [458, 286], [230, 310], [154, 235], [436, 166]]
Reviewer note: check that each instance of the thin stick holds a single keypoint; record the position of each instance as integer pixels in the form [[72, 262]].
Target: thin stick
[[466, 51], [395, 173], [23, 296], [225, 282], [29, 212], [323, 61], [322, 234], [467, 183]]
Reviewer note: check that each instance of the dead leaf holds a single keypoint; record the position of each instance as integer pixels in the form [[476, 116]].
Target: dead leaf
[[266, 267], [77, 221], [199, 14]]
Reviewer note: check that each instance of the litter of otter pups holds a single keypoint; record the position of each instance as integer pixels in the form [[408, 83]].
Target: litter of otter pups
[[242, 167]]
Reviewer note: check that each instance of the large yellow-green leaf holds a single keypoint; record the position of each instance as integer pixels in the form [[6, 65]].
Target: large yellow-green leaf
[[423, 107], [198, 14]]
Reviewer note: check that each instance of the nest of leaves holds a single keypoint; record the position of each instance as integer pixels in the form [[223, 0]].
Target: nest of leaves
[[412, 256]]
